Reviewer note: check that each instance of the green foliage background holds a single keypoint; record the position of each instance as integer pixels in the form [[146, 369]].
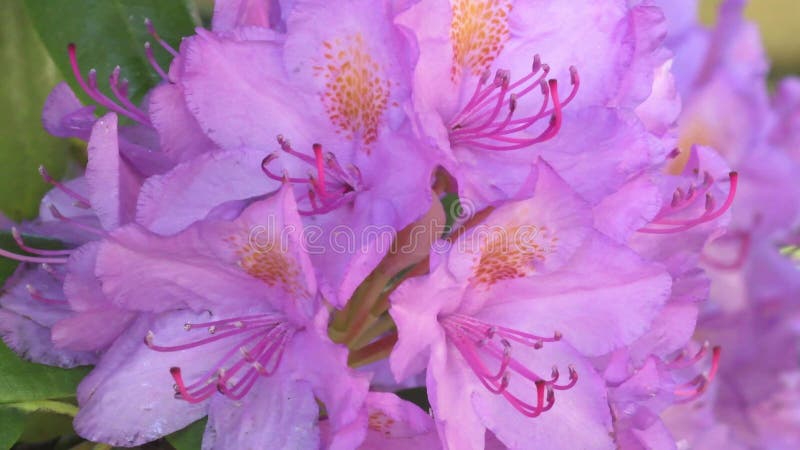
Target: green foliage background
[[37, 402]]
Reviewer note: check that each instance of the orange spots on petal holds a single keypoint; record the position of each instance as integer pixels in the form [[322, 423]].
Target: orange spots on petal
[[267, 262], [380, 422], [478, 31], [512, 252], [356, 93]]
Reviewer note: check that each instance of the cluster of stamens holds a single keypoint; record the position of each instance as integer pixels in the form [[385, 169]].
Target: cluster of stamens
[[119, 87], [479, 342], [665, 221], [260, 341], [330, 184], [38, 256], [696, 386], [80, 201], [49, 261], [482, 124]]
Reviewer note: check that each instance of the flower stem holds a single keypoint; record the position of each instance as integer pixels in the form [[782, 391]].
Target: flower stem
[[381, 325], [373, 352]]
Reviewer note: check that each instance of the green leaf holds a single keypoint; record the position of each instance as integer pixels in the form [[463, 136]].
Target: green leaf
[[452, 209], [12, 423], [189, 438], [43, 426], [23, 381], [418, 396], [108, 33], [28, 75]]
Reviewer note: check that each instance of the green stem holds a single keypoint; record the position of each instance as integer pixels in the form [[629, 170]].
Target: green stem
[[46, 406], [359, 318], [376, 351], [381, 325]]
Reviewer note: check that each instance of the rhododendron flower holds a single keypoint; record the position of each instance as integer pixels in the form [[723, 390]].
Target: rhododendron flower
[[490, 104], [504, 314], [325, 106], [557, 221], [61, 317], [261, 340]]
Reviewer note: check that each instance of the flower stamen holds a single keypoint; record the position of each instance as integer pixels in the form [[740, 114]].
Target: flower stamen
[[479, 125], [257, 352], [21, 243], [695, 387], [152, 30], [39, 297], [330, 187], [91, 89], [478, 341], [80, 200], [663, 222]]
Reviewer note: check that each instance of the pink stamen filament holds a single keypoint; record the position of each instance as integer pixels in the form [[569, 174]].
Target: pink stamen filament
[[486, 116], [94, 93], [468, 335], [152, 30], [511, 103], [151, 58], [53, 272], [32, 259], [477, 125], [80, 201], [681, 361], [58, 215], [529, 410], [320, 169], [525, 372], [120, 91], [258, 353], [682, 201], [39, 297], [710, 213], [528, 339], [477, 99], [21, 243], [695, 387], [330, 188]]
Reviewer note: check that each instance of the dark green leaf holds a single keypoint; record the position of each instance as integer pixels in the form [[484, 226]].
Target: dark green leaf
[[188, 438], [28, 75], [110, 33], [45, 426], [418, 396], [22, 381], [452, 209], [12, 422]]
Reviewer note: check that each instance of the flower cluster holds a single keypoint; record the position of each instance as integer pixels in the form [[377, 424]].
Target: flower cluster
[[552, 217]]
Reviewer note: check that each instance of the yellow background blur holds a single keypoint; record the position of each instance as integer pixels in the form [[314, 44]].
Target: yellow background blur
[[779, 22]]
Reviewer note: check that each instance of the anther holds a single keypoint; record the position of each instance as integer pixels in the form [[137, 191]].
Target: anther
[[537, 63]]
